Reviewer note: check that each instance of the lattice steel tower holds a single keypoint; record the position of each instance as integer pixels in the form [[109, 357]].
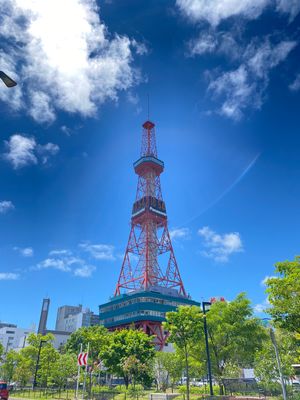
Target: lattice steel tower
[[149, 283], [149, 238]]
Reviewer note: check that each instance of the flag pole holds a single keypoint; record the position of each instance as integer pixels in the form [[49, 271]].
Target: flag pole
[[78, 373], [86, 367]]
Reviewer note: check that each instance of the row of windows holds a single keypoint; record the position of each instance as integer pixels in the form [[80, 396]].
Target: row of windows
[[140, 300], [133, 314]]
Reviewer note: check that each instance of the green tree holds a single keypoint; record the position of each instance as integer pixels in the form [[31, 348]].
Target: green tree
[[96, 336], [29, 355], [23, 371], [284, 295], [1, 351], [48, 358], [168, 369], [63, 370], [265, 363], [235, 335], [9, 365], [125, 346], [186, 329]]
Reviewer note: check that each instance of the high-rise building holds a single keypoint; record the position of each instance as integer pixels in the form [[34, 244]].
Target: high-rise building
[[149, 283], [71, 318]]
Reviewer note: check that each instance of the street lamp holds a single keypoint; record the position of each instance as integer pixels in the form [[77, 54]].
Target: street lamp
[[9, 82], [37, 363], [273, 340], [205, 307]]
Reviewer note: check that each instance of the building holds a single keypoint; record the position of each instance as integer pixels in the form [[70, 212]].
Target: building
[[68, 320], [12, 337], [71, 318], [149, 283]]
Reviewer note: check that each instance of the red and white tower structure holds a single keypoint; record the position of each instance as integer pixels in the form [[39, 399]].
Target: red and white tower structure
[[149, 238], [149, 283]]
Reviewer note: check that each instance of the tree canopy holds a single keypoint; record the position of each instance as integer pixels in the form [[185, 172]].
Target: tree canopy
[[128, 354], [284, 295]]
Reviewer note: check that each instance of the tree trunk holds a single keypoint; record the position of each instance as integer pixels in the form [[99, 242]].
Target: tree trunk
[[126, 380]]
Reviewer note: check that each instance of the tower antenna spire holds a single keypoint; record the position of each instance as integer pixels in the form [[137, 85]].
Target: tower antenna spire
[[148, 108]]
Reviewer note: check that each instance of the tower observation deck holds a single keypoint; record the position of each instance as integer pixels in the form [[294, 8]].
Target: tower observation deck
[[149, 283]]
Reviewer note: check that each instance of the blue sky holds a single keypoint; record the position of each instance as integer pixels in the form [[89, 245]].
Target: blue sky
[[224, 86]]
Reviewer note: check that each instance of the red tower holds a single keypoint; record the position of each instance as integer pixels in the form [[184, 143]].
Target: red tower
[[149, 283], [149, 243]]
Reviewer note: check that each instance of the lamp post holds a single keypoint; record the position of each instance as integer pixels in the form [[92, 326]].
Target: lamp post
[[274, 342], [8, 81], [37, 363], [205, 307]]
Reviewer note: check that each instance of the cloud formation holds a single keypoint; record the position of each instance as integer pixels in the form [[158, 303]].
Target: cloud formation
[[9, 276], [245, 86], [179, 233], [295, 85], [25, 251], [216, 11], [220, 247], [6, 206], [24, 150], [99, 251], [62, 63], [243, 83], [65, 261]]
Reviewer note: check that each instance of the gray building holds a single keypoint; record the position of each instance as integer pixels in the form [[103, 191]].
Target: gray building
[[71, 318]]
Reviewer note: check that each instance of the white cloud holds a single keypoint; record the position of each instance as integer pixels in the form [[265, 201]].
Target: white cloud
[[24, 150], [85, 271], [291, 7], [20, 151], [60, 252], [5, 206], [25, 251], [179, 233], [63, 57], [216, 11], [260, 308], [65, 261], [8, 276], [220, 247], [245, 86], [295, 85], [99, 251], [140, 48]]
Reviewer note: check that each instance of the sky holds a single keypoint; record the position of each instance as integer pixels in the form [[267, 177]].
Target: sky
[[223, 80]]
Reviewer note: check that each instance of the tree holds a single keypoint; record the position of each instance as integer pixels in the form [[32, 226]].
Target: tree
[[1, 351], [234, 336], [96, 336], [9, 365], [284, 295], [23, 371], [265, 364], [63, 370], [168, 369], [185, 327], [125, 346], [29, 355]]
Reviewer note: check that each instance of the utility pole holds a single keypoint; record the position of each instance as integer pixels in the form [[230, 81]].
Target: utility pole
[[205, 307]]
